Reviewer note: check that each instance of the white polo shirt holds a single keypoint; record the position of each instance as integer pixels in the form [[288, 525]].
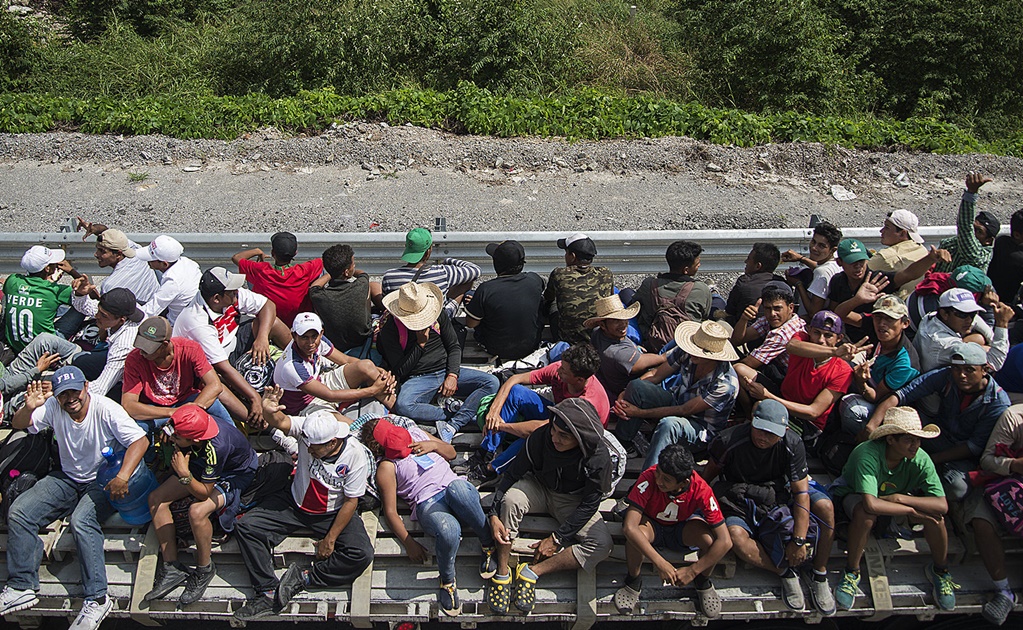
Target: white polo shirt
[[179, 287]]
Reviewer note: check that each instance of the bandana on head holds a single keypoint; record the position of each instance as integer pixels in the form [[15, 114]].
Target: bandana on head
[[395, 440]]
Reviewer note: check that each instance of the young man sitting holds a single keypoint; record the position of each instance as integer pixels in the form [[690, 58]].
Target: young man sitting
[[940, 333], [890, 476], [621, 360], [83, 425], [768, 459], [213, 464], [970, 404], [307, 389], [671, 506], [699, 401], [517, 410], [761, 262], [342, 299], [672, 295], [572, 290], [773, 321], [564, 469], [282, 281], [811, 283], [331, 475]]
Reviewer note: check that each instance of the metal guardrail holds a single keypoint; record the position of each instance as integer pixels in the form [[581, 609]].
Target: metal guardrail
[[639, 252]]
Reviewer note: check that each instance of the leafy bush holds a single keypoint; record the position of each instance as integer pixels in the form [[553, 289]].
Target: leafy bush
[[16, 49], [88, 19]]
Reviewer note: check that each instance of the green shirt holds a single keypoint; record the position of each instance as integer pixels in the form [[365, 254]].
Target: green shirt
[[964, 246], [30, 306], [866, 472]]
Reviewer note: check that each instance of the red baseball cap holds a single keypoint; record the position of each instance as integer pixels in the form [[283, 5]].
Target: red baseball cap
[[193, 423]]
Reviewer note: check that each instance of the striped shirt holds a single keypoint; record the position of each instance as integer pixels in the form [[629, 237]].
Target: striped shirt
[[775, 341], [121, 343], [450, 272], [132, 274]]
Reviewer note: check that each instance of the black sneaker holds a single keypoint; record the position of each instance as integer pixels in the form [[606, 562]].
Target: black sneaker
[[169, 576], [261, 606], [482, 476], [196, 585], [291, 584], [479, 457]]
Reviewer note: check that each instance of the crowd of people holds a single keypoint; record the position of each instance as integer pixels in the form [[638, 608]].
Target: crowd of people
[[895, 368]]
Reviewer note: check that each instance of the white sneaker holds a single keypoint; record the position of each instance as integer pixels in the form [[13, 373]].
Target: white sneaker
[[92, 614], [13, 600]]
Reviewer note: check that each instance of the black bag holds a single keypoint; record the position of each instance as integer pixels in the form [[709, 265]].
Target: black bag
[[668, 314], [25, 458], [14, 486]]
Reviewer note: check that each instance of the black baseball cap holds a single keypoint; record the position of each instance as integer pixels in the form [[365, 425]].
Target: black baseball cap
[[284, 244], [580, 244], [990, 223], [506, 255], [120, 302]]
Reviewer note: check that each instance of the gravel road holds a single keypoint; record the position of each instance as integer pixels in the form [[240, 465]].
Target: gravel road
[[361, 177]]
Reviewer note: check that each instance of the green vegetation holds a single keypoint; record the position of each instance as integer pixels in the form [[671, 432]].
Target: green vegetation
[[924, 74]]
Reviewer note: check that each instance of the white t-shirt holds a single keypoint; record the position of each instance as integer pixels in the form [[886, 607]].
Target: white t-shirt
[[292, 371], [217, 333], [822, 277], [179, 287], [105, 424], [320, 487]]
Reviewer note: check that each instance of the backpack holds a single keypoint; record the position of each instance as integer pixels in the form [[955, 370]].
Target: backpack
[[774, 531], [1005, 496], [668, 314], [24, 459]]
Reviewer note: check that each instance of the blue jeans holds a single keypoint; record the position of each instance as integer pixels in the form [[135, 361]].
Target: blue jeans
[[674, 430], [442, 517], [55, 496], [522, 404], [21, 371], [416, 393]]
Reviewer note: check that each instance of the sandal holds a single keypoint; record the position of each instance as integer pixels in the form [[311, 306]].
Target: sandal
[[625, 599], [710, 602], [525, 590], [498, 594]]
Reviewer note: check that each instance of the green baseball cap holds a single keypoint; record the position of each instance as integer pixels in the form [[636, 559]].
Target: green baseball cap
[[851, 250], [970, 278], [417, 241]]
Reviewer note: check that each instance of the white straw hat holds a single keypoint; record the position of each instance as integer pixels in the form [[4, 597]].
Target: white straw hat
[[611, 307], [710, 340], [898, 420], [417, 305]]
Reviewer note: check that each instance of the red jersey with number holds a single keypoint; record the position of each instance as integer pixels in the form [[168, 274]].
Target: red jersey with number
[[657, 505]]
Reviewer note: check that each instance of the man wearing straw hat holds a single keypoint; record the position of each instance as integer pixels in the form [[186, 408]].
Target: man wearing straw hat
[[891, 476], [697, 405], [621, 360], [420, 347]]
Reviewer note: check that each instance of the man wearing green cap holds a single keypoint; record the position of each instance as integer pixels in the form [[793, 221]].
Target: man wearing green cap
[[453, 276]]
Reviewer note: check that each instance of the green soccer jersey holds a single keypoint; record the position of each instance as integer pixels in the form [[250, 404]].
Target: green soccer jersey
[[30, 306]]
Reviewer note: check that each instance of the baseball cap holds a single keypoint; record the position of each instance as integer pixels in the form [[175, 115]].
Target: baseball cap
[[970, 278], [771, 416], [117, 241], [417, 241], [38, 256], [777, 285], [827, 321], [506, 254], [891, 306], [285, 244], [304, 322], [153, 331], [961, 300], [968, 353], [323, 426], [578, 243], [906, 220], [163, 248], [120, 302], [217, 280], [851, 250], [68, 377], [193, 423], [990, 222]]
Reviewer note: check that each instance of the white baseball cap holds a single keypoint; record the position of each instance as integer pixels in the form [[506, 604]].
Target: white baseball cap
[[218, 280], [304, 322], [323, 426], [38, 256], [906, 220], [163, 248], [961, 300]]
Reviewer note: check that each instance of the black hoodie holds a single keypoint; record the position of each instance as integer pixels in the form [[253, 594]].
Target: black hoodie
[[584, 470]]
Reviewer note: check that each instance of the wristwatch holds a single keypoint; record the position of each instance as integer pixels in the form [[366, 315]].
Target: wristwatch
[[185, 481], [799, 541]]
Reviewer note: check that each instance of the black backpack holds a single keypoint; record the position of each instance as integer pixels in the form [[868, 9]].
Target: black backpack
[[32, 455]]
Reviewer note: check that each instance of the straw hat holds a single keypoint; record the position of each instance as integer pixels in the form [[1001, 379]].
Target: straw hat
[[417, 305], [611, 307], [898, 420], [710, 340]]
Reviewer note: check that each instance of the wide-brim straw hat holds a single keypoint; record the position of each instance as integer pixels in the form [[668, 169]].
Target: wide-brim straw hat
[[416, 305], [899, 420], [710, 340], [611, 307]]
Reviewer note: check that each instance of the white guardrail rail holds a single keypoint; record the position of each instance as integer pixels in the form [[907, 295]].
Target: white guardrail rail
[[625, 252]]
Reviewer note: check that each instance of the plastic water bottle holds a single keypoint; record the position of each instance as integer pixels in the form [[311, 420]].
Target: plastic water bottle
[[134, 506]]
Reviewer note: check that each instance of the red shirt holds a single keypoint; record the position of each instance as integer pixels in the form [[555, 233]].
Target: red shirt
[[287, 288], [593, 391], [166, 388], [804, 382], [657, 505]]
